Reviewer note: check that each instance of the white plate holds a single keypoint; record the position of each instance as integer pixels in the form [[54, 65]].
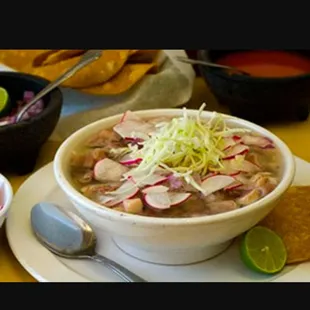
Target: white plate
[[46, 267]]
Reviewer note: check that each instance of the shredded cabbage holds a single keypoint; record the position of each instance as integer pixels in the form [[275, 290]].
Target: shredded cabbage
[[184, 146]]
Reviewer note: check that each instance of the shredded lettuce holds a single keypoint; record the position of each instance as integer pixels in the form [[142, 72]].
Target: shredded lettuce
[[184, 146]]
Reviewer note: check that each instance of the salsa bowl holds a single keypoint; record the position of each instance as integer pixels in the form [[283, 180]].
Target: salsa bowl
[[171, 241]]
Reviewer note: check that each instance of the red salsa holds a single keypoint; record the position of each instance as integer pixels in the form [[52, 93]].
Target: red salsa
[[268, 64]]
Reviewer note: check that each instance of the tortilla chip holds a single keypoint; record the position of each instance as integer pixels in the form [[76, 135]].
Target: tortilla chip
[[95, 73], [61, 55], [124, 80], [143, 56], [132, 52], [291, 221], [157, 57], [20, 59]]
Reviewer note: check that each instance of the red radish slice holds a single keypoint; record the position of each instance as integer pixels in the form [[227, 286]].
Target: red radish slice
[[237, 138], [128, 128], [155, 189], [229, 168], [126, 191], [233, 186], [178, 198], [257, 141], [104, 199], [129, 115], [209, 175], [238, 149], [216, 183], [128, 187], [247, 166], [127, 160], [107, 170], [234, 173], [153, 179], [228, 143], [158, 201]]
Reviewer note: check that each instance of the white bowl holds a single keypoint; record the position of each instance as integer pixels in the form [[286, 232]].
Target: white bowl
[[169, 241], [6, 190]]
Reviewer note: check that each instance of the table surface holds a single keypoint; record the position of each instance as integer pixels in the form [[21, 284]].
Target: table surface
[[293, 134]]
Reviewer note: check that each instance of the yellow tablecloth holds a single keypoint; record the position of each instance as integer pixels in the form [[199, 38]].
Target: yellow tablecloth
[[296, 135]]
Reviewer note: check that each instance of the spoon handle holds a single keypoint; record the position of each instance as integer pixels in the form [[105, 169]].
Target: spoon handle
[[208, 64], [121, 271], [86, 59]]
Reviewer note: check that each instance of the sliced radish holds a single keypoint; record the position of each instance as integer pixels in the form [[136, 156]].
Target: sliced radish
[[238, 149], [127, 160], [247, 166], [234, 174], [228, 143], [153, 179], [129, 115], [229, 168], [257, 141], [107, 170], [129, 128], [209, 175], [158, 201], [237, 138], [216, 183], [155, 189], [126, 191], [178, 198], [233, 186], [104, 199]]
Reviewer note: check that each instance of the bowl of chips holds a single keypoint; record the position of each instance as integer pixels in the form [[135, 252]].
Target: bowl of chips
[[114, 73]]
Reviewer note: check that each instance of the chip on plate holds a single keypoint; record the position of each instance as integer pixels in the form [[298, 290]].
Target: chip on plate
[[124, 80], [54, 58], [97, 72], [291, 221], [19, 59]]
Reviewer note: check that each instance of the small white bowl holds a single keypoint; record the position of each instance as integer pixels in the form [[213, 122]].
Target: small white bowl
[[6, 193], [171, 241]]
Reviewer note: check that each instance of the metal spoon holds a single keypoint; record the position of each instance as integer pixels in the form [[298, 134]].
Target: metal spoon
[[86, 59], [209, 64], [65, 234]]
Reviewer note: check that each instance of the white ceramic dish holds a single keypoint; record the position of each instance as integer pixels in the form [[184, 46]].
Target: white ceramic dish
[[46, 267], [6, 193], [169, 241]]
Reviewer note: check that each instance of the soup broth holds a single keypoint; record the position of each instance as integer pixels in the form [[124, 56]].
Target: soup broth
[[176, 168]]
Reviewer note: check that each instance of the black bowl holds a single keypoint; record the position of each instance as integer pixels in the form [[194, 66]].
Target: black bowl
[[258, 100], [20, 143]]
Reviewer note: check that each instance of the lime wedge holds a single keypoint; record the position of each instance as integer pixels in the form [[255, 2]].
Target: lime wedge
[[262, 250], [4, 100]]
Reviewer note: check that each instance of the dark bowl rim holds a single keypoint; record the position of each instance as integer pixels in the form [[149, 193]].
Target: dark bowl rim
[[244, 78], [47, 110]]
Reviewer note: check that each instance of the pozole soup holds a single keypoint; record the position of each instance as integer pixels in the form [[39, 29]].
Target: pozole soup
[[175, 167]]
